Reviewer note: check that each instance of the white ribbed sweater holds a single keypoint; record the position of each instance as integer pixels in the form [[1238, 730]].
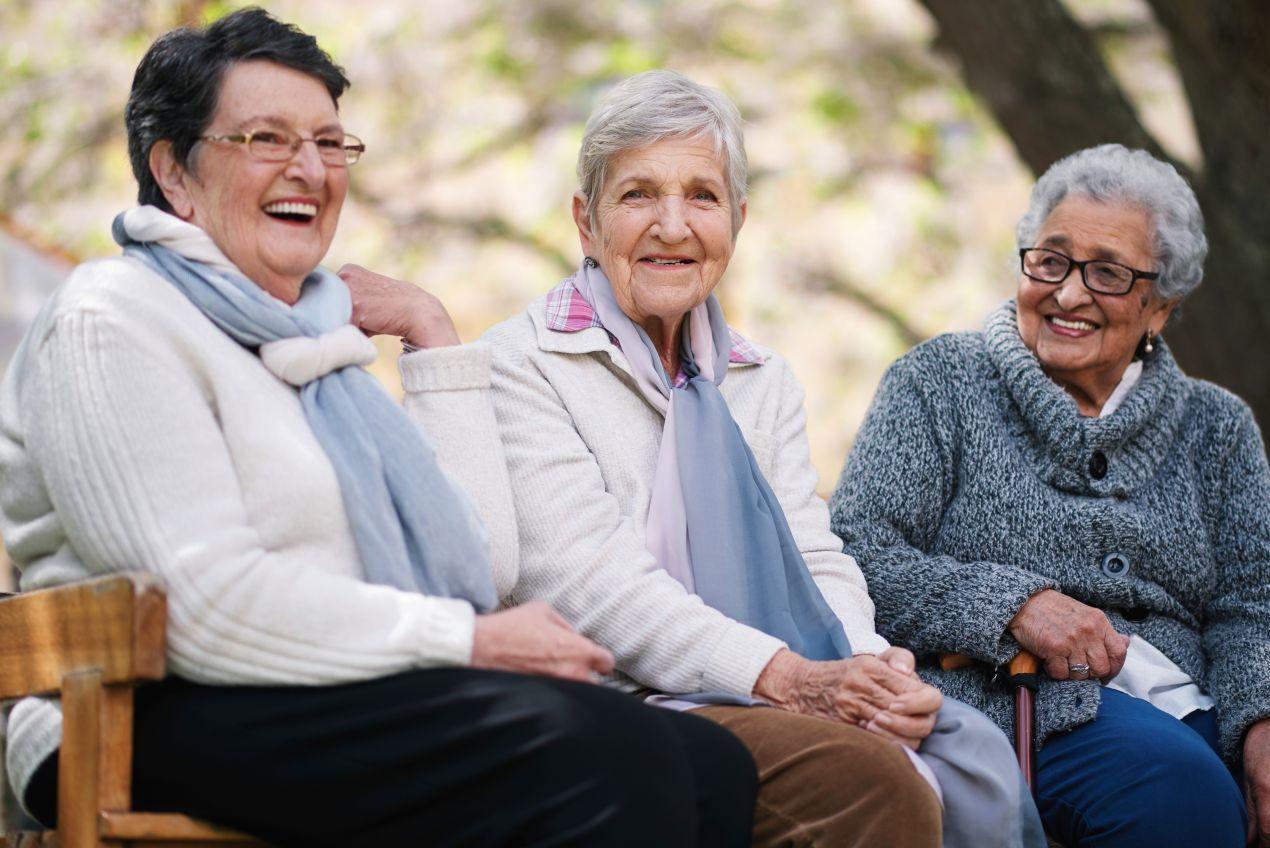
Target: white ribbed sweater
[[582, 446], [135, 435]]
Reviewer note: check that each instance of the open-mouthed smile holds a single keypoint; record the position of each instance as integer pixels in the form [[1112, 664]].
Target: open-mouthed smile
[[292, 211], [1070, 326], [667, 261]]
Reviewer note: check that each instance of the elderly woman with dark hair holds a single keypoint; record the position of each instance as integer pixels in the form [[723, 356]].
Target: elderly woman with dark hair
[[667, 504], [1056, 483], [194, 408]]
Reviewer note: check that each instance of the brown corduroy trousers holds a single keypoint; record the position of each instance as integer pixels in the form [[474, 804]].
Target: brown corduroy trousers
[[822, 783]]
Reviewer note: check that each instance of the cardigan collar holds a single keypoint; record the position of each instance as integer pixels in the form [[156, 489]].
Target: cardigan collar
[[1097, 456], [565, 323]]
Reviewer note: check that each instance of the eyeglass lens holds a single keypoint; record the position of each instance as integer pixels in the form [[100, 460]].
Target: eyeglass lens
[[1053, 267]]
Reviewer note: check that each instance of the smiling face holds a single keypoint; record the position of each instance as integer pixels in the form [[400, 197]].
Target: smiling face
[[663, 233], [274, 220], [1084, 338]]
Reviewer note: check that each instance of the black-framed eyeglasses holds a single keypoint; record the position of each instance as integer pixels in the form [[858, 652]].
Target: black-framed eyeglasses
[[336, 150], [1099, 275]]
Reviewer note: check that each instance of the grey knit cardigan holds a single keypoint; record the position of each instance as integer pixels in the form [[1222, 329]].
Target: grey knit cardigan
[[974, 483]]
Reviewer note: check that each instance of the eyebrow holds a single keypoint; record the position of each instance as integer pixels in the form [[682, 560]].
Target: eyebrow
[[646, 179], [1060, 240], [274, 121]]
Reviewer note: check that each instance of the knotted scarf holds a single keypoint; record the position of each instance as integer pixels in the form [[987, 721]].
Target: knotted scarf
[[716, 526], [414, 530]]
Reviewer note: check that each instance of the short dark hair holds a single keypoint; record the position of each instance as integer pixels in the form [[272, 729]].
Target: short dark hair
[[177, 84]]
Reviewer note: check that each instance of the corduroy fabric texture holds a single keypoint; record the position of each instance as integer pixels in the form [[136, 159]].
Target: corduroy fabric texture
[[975, 483]]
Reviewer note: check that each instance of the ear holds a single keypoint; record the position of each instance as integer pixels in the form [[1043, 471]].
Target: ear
[[585, 234], [171, 177], [1160, 315], [745, 207]]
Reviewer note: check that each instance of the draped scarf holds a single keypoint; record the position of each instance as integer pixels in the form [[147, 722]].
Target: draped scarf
[[715, 525], [413, 528]]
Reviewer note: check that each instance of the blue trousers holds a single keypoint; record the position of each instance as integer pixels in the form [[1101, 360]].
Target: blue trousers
[[1136, 776]]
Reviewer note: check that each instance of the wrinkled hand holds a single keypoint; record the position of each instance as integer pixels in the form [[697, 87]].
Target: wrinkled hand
[[863, 690], [1257, 782], [910, 718], [1062, 632], [386, 306], [534, 639]]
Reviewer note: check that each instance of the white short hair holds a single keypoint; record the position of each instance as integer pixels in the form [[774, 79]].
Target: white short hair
[[648, 107]]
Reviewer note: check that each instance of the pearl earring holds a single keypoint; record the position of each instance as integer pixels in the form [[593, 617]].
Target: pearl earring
[[1149, 348]]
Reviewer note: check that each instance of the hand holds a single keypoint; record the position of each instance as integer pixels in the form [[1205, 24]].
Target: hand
[[1063, 632], [534, 639], [1257, 782], [863, 690], [384, 306]]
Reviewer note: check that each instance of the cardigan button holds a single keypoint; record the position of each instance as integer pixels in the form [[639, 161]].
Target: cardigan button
[[1115, 565], [1098, 465]]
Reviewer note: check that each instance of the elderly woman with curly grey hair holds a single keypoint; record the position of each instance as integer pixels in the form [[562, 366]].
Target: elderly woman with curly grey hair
[[667, 504], [1056, 483]]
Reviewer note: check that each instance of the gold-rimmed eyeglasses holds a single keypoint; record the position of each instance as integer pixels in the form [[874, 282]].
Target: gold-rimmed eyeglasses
[[336, 150]]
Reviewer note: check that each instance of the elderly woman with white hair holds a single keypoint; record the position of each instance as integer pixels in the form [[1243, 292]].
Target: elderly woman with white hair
[[671, 514], [1056, 483]]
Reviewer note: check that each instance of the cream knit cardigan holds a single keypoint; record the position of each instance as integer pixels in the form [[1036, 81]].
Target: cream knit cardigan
[[581, 445], [135, 435]]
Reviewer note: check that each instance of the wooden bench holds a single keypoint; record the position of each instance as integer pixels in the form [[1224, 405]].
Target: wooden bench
[[92, 642]]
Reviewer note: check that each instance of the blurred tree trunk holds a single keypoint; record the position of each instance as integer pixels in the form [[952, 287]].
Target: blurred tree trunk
[[1041, 74]]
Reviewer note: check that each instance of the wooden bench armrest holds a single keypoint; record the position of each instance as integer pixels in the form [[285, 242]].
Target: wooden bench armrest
[[114, 625]]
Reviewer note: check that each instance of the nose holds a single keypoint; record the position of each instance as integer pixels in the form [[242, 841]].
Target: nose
[[671, 226], [306, 166], [1071, 291]]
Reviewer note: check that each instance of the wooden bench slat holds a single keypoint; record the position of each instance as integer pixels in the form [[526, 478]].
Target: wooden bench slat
[[170, 827], [113, 624]]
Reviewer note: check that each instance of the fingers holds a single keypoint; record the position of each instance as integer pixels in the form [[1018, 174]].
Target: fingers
[[1097, 660], [883, 674], [900, 659], [876, 725], [1117, 652], [1056, 667], [909, 727], [924, 701], [348, 269]]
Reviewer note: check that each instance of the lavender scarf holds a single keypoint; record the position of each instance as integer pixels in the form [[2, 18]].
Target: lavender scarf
[[716, 526]]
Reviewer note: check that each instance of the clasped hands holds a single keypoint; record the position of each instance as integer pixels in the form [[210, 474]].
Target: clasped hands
[[882, 693]]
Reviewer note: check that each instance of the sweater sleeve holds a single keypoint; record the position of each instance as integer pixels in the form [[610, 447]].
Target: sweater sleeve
[[888, 507], [1236, 631], [836, 573], [447, 393], [580, 554], [140, 476]]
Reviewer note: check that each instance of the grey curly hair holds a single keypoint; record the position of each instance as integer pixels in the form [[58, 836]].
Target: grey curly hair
[[646, 108], [1113, 172]]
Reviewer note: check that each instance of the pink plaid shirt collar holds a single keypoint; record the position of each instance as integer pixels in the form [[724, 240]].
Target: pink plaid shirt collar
[[568, 312]]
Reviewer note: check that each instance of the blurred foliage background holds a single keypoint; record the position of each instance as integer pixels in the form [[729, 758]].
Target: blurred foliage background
[[883, 192]]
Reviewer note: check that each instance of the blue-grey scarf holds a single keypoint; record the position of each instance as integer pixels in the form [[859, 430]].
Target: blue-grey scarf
[[414, 529], [743, 561]]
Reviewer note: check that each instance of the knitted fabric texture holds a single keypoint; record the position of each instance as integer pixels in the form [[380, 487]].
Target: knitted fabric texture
[[975, 483]]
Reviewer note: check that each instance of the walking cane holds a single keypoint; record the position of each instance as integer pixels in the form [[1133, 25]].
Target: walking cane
[[1024, 672]]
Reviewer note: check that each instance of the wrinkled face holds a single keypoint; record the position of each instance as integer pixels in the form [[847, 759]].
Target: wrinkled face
[[1076, 333], [663, 233], [274, 220]]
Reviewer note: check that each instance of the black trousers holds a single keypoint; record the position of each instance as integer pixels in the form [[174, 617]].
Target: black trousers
[[434, 757]]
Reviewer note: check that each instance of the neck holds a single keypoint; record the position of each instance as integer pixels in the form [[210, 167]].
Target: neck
[[285, 290], [1090, 390], [665, 337]]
